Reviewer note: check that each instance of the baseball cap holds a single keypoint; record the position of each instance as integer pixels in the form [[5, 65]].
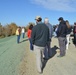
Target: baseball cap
[[60, 18], [38, 17]]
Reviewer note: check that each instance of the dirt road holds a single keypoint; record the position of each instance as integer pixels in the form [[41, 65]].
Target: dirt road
[[54, 66], [17, 59]]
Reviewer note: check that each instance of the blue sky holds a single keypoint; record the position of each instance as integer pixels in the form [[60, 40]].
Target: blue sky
[[22, 12]]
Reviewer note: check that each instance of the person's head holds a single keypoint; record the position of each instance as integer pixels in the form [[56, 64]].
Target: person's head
[[75, 23], [46, 20], [38, 19], [31, 26], [67, 23], [60, 19]]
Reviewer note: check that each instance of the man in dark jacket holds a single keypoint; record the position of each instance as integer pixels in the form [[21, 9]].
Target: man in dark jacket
[[40, 38], [61, 34]]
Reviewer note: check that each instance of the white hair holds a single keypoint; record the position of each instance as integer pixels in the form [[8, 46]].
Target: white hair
[[46, 20]]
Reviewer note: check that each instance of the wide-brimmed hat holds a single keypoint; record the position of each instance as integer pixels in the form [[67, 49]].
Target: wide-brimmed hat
[[38, 17]]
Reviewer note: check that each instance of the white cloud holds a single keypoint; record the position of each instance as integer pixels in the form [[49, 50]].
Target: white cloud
[[59, 5]]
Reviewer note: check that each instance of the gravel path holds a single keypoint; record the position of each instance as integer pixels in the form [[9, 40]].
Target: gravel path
[[54, 66]]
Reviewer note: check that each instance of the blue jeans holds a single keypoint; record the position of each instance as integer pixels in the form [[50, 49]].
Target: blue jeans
[[18, 38], [31, 45], [23, 35], [47, 51]]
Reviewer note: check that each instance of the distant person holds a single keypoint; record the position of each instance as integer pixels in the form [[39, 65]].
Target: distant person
[[48, 51], [61, 34], [40, 38], [68, 34], [23, 32], [74, 31], [18, 33], [56, 30], [54, 33], [29, 36]]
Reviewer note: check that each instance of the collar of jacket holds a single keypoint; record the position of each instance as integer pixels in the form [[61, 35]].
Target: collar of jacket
[[39, 22]]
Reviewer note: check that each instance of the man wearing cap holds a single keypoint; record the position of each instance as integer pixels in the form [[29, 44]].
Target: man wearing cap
[[61, 34], [40, 37]]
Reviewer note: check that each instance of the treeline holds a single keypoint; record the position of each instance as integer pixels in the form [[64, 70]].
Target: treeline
[[7, 30], [10, 29]]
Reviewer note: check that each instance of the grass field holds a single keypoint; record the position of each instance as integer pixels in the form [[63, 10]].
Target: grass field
[[11, 55]]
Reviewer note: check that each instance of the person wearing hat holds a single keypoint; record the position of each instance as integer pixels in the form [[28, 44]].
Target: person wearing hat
[[61, 34], [39, 37]]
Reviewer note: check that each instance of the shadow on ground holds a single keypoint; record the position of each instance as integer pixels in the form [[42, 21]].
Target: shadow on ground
[[24, 40], [53, 52]]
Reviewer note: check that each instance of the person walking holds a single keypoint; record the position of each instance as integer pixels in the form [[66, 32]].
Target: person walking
[[40, 38], [74, 32], [68, 33], [18, 33], [61, 34], [23, 32], [29, 36], [48, 52]]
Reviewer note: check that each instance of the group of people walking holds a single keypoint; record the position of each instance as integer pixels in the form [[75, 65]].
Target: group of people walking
[[20, 31], [40, 38]]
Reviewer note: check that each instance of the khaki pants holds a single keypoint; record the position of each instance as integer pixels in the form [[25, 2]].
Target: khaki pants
[[39, 52]]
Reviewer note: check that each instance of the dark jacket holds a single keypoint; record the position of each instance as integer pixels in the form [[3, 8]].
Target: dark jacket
[[74, 30], [69, 30], [62, 29], [40, 35]]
